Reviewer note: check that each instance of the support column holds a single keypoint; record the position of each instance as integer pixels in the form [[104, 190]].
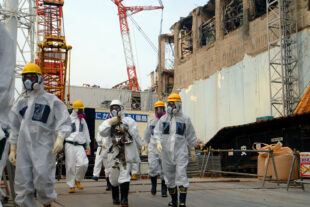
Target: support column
[[177, 50], [161, 65], [219, 19], [195, 32], [246, 13]]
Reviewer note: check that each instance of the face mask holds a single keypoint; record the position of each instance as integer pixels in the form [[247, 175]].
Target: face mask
[[81, 116], [169, 109], [114, 113], [28, 84], [159, 114]]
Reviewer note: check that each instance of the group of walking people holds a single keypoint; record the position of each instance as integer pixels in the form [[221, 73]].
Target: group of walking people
[[170, 138], [41, 126]]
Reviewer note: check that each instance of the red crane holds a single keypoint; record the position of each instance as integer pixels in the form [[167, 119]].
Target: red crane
[[122, 13]]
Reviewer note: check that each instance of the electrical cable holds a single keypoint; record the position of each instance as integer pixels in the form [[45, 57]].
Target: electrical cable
[[143, 34], [137, 60]]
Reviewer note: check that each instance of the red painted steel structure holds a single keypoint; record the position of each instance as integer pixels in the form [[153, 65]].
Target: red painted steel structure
[[49, 18], [122, 13], [52, 46]]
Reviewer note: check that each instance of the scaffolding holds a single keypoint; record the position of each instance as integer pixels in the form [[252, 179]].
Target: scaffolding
[[18, 16], [53, 58], [53, 51], [283, 56]]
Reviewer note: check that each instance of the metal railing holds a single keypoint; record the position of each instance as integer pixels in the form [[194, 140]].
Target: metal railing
[[209, 152]]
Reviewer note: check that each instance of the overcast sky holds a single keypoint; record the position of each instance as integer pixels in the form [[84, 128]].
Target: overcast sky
[[92, 28]]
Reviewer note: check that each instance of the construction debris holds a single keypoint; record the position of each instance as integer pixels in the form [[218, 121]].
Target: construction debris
[[233, 15]]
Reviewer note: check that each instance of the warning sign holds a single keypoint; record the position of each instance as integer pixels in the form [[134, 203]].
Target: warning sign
[[305, 164]]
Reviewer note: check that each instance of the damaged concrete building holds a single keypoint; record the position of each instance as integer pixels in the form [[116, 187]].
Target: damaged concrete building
[[222, 59]]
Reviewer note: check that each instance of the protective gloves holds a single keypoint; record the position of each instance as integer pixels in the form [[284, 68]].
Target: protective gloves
[[12, 154], [193, 155], [58, 145], [143, 148], [159, 147], [113, 121]]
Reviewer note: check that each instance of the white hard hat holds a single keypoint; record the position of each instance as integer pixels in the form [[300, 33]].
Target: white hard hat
[[116, 102]]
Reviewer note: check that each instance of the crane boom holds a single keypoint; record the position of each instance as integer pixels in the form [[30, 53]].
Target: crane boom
[[122, 13]]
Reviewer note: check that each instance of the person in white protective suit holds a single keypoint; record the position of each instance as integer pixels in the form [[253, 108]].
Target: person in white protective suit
[[175, 132], [75, 157], [7, 76], [39, 124], [154, 158], [102, 158], [123, 133]]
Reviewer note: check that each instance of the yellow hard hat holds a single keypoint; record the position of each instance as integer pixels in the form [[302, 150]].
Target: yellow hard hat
[[78, 105], [158, 104], [31, 68], [174, 97]]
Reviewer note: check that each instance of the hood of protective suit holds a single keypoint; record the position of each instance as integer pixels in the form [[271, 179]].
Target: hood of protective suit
[[177, 110], [74, 113]]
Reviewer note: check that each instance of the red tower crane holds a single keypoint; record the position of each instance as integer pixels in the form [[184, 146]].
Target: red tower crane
[[122, 13]]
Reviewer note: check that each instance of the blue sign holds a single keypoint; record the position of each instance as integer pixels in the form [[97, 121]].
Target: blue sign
[[136, 117], [102, 115]]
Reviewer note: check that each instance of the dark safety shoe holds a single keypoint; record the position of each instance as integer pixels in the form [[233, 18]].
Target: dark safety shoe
[[154, 185], [95, 178], [174, 196], [163, 189], [124, 194], [115, 195]]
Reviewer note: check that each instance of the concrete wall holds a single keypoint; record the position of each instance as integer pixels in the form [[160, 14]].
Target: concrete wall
[[228, 50], [237, 94], [93, 97]]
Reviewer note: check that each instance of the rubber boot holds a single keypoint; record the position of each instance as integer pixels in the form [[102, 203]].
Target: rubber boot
[[115, 195], [183, 193], [163, 189], [109, 186], [154, 185], [71, 190], [174, 196], [79, 185], [124, 194], [134, 177]]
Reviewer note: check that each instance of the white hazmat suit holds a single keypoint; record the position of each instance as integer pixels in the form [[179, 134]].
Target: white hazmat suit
[[175, 133], [37, 119], [154, 158], [101, 156], [132, 154], [7, 77], [76, 159]]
